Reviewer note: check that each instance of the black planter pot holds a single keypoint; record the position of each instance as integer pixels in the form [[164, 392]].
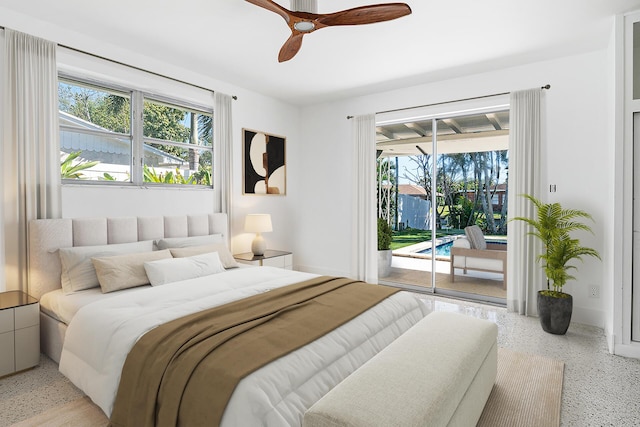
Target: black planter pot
[[555, 313]]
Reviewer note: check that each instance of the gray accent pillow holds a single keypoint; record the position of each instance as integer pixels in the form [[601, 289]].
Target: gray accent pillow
[[125, 271], [185, 242], [225, 256], [475, 236]]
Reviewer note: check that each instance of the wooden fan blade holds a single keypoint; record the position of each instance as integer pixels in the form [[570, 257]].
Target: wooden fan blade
[[273, 7], [290, 47], [366, 14]]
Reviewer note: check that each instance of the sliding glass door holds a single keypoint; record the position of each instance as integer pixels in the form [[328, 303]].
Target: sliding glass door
[[449, 172]]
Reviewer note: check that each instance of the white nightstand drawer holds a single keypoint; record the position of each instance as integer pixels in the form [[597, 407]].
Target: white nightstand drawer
[[28, 315], [19, 332], [7, 365], [288, 262], [6, 320], [27, 347], [274, 262]]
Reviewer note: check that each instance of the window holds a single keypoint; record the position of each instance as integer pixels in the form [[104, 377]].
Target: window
[[95, 132], [178, 144], [101, 139]]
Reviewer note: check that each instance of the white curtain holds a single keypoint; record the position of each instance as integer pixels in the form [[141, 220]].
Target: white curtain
[[525, 276], [364, 229], [223, 128], [30, 146]]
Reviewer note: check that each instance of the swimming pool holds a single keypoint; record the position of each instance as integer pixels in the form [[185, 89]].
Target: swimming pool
[[444, 249]]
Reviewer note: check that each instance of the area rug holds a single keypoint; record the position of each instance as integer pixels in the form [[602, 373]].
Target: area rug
[[527, 393]]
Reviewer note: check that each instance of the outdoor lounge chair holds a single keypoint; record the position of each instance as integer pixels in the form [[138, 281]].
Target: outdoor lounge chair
[[474, 253]]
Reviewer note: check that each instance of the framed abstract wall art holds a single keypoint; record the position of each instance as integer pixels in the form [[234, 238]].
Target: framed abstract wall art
[[263, 163]]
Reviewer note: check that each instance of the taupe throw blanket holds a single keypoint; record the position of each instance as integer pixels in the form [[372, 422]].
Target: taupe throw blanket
[[173, 376]]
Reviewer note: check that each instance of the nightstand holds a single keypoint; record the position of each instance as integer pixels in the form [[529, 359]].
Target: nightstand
[[270, 258], [19, 332]]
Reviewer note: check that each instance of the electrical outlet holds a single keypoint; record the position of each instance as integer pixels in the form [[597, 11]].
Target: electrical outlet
[[594, 291]]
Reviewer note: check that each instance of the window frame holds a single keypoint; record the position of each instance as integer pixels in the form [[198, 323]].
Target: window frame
[[137, 98]]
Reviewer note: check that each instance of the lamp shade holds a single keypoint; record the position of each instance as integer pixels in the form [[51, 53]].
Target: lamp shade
[[258, 223]]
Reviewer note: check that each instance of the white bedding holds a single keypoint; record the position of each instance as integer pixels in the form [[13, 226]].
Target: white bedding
[[63, 306], [101, 334]]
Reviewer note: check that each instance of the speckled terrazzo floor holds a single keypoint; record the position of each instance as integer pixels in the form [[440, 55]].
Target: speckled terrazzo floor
[[30, 392], [599, 389]]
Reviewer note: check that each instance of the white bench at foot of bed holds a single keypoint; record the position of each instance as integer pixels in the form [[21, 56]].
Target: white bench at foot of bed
[[439, 373]]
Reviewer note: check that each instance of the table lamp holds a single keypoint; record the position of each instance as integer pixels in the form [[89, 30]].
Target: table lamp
[[258, 223]]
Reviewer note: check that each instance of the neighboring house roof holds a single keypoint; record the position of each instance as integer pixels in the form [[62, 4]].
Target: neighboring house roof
[[411, 190], [105, 148]]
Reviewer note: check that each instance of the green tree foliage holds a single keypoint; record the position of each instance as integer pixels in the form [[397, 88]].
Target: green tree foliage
[[202, 177], [463, 213], [458, 174], [384, 235], [163, 122], [109, 111]]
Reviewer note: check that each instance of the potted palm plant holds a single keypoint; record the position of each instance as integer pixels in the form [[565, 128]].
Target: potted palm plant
[[384, 248], [553, 226]]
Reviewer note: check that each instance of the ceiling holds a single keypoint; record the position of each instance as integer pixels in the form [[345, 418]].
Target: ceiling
[[236, 42]]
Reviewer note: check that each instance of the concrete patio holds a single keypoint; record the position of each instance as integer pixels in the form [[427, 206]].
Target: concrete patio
[[416, 271]]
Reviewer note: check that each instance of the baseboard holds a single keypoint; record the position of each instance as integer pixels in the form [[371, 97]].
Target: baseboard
[[588, 316], [611, 342], [628, 350]]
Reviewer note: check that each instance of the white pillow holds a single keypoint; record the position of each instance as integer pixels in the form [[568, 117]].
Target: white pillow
[[462, 243], [228, 261], [175, 269], [78, 272], [184, 242], [125, 271]]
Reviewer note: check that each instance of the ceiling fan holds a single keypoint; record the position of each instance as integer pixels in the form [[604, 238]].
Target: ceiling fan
[[302, 23]]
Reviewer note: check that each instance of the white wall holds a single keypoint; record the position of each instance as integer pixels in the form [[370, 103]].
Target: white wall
[[265, 114], [578, 151]]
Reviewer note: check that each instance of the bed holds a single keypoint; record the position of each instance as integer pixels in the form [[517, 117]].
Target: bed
[[90, 333]]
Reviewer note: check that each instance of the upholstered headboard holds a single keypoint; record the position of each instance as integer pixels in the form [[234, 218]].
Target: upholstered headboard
[[46, 236]]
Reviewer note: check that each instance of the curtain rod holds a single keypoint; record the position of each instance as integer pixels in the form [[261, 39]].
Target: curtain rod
[[547, 86], [134, 67]]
